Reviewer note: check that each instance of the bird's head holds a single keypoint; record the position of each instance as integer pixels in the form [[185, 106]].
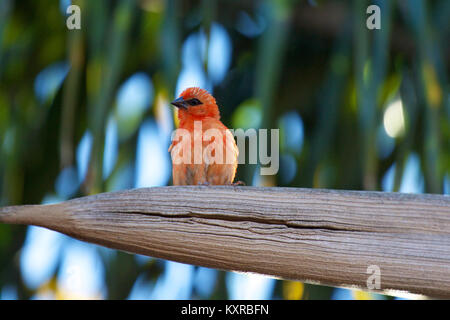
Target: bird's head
[[196, 103]]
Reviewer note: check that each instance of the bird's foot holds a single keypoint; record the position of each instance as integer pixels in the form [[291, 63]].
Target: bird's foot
[[238, 183], [206, 183]]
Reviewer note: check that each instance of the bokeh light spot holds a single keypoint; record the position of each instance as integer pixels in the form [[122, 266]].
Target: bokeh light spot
[[292, 132], [49, 80], [111, 147], [247, 115], [39, 255], [152, 160], [249, 286], [393, 120], [133, 99], [83, 154]]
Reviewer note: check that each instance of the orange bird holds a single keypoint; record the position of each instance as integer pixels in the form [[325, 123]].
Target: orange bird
[[203, 150]]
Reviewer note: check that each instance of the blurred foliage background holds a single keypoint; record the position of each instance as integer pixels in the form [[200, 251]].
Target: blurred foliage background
[[87, 111]]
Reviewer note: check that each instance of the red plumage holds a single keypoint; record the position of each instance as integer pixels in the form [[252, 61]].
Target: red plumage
[[197, 109]]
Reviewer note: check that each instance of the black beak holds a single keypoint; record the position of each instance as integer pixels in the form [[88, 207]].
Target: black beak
[[180, 103]]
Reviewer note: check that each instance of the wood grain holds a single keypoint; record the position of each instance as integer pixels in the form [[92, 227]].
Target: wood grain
[[312, 235]]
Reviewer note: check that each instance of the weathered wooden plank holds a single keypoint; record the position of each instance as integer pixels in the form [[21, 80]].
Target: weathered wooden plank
[[324, 236]]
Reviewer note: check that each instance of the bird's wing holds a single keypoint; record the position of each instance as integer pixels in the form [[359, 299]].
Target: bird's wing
[[223, 173]]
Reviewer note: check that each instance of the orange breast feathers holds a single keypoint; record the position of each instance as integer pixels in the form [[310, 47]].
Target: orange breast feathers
[[203, 150]]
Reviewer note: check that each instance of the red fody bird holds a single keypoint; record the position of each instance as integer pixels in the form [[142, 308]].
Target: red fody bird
[[203, 150]]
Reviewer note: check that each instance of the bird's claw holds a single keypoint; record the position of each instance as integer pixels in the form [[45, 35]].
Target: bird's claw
[[238, 183]]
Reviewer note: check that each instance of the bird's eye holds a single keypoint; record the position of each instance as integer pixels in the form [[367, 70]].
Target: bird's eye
[[194, 102]]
